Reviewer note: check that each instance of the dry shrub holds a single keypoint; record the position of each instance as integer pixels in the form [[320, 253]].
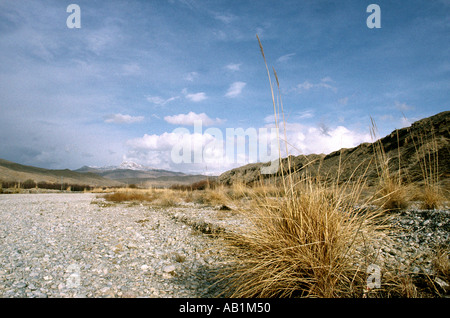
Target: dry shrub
[[431, 197], [124, 195], [441, 263], [393, 194], [166, 198], [304, 244], [209, 196], [306, 241], [158, 197]]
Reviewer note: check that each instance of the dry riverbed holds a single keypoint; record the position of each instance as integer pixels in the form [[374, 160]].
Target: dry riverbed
[[77, 245]]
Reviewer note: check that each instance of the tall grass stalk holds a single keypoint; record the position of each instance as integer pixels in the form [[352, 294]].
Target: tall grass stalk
[[392, 193], [309, 241], [427, 156]]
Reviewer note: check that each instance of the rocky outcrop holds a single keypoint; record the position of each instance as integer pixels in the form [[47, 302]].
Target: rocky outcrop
[[425, 144]]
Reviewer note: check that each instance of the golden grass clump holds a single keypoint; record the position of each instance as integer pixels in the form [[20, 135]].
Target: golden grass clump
[[431, 197], [125, 195], [393, 194], [309, 244], [307, 240], [441, 263], [158, 197]]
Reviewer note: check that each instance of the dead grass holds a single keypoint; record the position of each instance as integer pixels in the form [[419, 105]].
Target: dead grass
[[431, 197], [441, 263], [126, 195], [392, 192], [305, 240], [157, 197], [304, 244]]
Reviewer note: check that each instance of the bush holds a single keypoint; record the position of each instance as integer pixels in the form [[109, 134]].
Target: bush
[[28, 184], [122, 196], [307, 243], [431, 197]]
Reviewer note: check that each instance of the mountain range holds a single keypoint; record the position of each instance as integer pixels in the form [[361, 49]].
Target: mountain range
[[129, 172], [126, 173], [15, 172], [425, 145], [423, 149]]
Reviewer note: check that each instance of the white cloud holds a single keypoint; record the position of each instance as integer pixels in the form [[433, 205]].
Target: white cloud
[[225, 18], [306, 139], [324, 83], [406, 122], [305, 114], [191, 76], [131, 69], [161, 101], [197, 97], [211, 146], [305, 86], [235, 89], [191, 118], [403, 106], [158, 150], [343, 101], [123, 119], [285, 58], [102, 39], [270, 119], [234, 67]]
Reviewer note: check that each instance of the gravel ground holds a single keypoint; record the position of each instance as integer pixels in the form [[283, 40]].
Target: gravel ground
[[76, 245]]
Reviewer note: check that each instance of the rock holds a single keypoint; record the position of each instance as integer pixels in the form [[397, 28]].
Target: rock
[[169, 269], [443, 285], [20, 285], [434, 128]]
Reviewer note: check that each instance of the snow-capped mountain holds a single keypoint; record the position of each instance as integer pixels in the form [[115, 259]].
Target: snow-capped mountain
[[130, 172], [130, 165], [126, 165]]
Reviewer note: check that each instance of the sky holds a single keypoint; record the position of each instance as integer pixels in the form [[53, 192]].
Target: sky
[[140, 80]]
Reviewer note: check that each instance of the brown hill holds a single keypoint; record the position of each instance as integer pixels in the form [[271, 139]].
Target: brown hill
[[14, 172], [423, 145]]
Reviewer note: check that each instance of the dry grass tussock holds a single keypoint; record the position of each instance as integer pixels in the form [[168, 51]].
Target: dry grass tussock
[[170, 197], [160, 197], [392, 193], [306, 240], [307, 243]]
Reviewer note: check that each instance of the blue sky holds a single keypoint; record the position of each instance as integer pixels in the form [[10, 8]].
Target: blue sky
[[117, 88]]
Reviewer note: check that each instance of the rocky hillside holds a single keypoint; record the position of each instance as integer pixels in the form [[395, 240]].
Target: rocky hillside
[[14, 172], [423, 145]]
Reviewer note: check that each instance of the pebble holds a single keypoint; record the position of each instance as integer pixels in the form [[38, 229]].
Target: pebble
[[169, 269], [74, 245], [67, 245]]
